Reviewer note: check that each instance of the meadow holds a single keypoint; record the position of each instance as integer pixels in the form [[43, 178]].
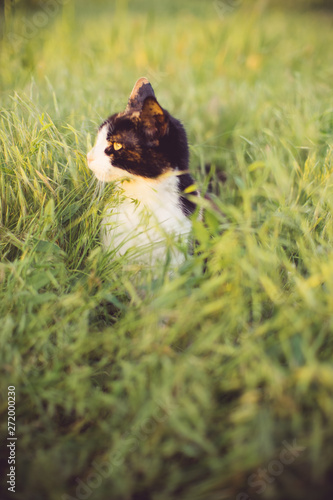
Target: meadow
[[215, 383]]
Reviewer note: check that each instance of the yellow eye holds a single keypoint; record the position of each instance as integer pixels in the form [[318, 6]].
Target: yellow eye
[[117, 145]]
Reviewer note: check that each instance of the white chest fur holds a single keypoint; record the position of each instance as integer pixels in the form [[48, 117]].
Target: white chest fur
[[148, 224]]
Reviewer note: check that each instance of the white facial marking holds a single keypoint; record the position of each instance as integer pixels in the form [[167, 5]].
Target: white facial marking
[[100, 163]]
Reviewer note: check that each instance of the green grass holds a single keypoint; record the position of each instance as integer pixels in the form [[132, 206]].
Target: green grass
[[186, 386]]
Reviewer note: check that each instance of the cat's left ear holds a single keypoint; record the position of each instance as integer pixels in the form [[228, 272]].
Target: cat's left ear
[[154, 119]]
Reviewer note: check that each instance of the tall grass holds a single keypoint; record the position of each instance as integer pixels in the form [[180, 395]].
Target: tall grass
[[183, 386]]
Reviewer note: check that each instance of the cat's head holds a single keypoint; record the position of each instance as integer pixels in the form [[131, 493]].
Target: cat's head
[[144, 140]]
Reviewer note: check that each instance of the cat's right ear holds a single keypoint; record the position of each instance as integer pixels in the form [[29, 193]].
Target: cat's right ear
[[141, 90], [153, 119]]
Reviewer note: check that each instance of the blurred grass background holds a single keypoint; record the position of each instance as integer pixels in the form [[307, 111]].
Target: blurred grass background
[[182, 388]]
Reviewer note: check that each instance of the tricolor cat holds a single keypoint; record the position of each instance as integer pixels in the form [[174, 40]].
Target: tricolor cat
[[144, 151]]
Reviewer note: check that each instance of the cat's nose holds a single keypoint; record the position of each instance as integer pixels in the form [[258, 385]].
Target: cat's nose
[[90, 156]]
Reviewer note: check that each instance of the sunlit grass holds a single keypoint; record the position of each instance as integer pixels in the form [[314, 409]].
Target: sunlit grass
[[185, 383]]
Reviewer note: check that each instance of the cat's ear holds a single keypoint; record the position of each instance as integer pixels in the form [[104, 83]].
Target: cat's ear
[[141, 90], [153, 118]]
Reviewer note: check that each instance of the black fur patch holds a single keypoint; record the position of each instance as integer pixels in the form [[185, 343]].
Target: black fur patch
[[187, 206]]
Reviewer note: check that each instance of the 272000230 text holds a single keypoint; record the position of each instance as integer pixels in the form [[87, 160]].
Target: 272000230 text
[[11, 445]]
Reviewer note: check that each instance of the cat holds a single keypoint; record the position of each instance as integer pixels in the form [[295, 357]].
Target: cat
[[144, 152]]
